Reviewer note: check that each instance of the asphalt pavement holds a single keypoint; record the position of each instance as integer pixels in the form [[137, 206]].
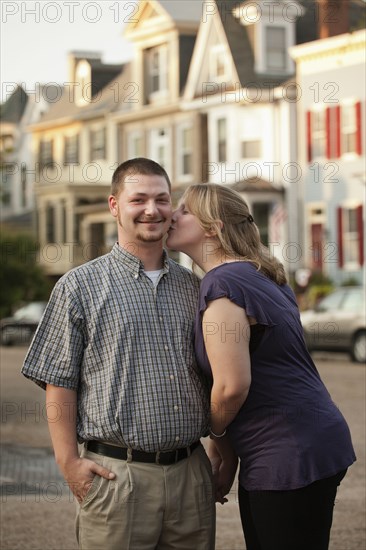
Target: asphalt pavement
[[37, 508]]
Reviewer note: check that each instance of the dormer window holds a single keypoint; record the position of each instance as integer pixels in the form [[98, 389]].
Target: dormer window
[[157, 72], [276, 48], [219, 63]]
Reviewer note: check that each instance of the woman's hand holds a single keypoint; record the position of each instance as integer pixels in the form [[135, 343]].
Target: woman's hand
[[225, 479]]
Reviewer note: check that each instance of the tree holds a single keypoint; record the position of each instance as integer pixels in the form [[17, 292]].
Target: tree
[[21, 278]]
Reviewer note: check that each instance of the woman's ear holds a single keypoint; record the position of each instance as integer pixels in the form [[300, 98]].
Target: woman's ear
[[214, 229]]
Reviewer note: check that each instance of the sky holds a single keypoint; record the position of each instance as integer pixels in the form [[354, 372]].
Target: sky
[[37, 36]]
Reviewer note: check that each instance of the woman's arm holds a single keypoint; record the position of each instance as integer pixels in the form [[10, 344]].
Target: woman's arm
[[226, 332]]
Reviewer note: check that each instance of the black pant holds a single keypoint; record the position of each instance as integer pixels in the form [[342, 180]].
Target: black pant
[[289, 520]]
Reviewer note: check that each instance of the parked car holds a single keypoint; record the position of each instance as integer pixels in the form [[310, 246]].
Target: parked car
[[20, 328], [338, 323]]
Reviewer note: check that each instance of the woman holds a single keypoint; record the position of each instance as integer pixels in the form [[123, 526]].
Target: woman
[[269, 406]]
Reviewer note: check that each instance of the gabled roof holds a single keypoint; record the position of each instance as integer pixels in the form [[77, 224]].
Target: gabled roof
[[108, 86], [13, 108], [241, 47], [252, 185], [183, 10]]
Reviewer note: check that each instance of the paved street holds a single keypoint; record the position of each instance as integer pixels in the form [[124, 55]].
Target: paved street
[[37, 509]]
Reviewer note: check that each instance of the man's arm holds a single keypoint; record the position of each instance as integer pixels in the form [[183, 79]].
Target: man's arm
[[78, 472]]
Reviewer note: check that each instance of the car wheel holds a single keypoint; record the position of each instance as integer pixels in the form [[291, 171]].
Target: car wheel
[[358, 349], [6, 337]]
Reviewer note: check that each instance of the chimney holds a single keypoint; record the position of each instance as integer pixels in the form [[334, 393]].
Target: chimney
[[333, 17]]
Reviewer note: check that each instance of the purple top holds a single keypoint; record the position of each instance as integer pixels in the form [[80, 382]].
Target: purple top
[[288, 433]]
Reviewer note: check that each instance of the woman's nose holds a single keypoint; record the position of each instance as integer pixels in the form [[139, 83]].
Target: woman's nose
[[175, 215]]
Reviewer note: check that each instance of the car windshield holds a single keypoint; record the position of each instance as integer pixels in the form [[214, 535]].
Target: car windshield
[[31, 311], [353, 301], [333, 301]]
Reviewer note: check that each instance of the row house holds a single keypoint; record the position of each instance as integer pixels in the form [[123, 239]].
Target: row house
[[16, 159], [74, 148], [332, 140], [209, 94]]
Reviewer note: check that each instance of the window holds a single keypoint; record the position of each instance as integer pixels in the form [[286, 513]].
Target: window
[[6, 185], [135, 145], [64, 221], [221, 140], [46, 153], [23, 181], [160, 147], [97, 144], [318, 134], [349, 129], [71, 149], [350, 237], [185, 152], [50, 224], [157, 71], [276, 48], [219, 63], [251, 149], [261, 212], [335, 131]]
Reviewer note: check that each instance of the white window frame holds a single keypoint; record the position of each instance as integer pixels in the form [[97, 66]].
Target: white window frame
[[350, 239], [257, 141], [218, 54], [98, 143], [268, 51], [218, 120], [183, 150], [132, 138], [318, 134], [348, 129], [160, 71], [71, 149], [160, 142]]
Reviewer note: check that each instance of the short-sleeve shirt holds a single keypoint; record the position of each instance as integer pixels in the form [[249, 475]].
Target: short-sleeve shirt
[[288, 433], [126, 346]]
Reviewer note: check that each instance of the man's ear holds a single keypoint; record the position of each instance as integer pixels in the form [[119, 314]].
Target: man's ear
[[113, 206], [212, 232]]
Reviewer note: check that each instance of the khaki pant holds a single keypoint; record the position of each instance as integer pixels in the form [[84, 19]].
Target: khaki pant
[[149, 507]]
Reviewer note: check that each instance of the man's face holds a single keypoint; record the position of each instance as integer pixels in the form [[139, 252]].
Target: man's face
[[143, 209]]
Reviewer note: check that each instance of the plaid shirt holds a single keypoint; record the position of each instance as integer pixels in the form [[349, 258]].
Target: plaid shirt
[[126, 347]]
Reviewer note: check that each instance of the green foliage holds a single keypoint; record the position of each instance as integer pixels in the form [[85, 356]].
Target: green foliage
[[319, 286], [21, 279], [351, 281]]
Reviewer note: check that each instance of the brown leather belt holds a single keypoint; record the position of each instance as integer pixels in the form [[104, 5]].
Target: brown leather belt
[[161, 457]]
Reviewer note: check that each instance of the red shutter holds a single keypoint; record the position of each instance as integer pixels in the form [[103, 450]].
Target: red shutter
[[340, 236], [308, 136], [359, 129], [338, 148], [327, 133], [360, 235]]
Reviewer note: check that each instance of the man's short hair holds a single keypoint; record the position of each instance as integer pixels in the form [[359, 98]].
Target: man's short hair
[[140, 165]]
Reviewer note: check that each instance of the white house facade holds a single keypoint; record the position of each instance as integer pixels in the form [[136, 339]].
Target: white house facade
[[331, 137]]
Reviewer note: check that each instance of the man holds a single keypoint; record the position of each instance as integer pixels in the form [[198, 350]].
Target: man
[[114, 352]]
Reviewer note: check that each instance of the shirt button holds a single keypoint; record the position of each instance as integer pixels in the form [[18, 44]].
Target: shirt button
[[160, 319], [136, 276], [176, 407], [177, 438], [172, 377], [166, 348]]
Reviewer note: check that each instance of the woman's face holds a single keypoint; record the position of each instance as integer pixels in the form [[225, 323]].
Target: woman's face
[[185, 233]]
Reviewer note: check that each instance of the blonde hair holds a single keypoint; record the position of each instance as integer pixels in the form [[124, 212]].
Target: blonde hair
[[224, 211]]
